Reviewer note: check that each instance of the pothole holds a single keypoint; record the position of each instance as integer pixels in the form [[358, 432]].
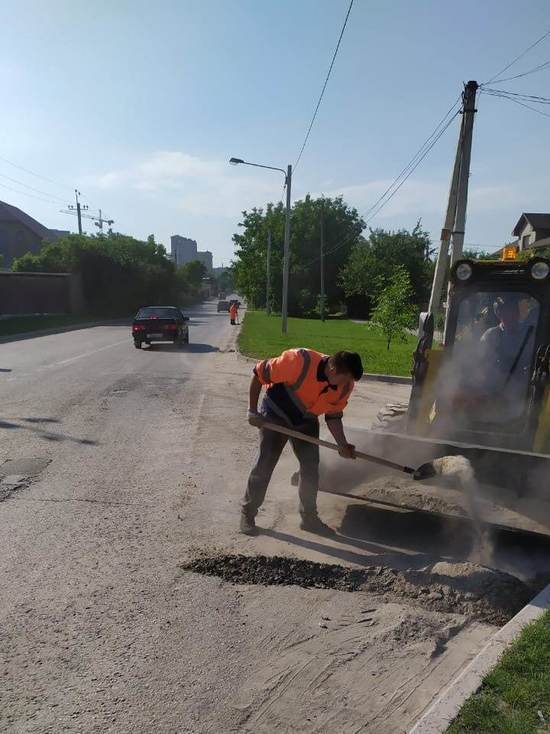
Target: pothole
[[26, 467], [17, 474], [475, 591]]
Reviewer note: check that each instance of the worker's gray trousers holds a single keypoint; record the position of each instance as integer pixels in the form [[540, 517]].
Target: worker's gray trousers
[[271, 447]]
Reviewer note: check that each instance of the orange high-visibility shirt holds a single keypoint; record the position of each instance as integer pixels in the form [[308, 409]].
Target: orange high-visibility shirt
[[233, 311], [296, 385]]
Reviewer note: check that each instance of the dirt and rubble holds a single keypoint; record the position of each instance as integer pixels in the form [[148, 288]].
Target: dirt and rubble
[[475, 591]]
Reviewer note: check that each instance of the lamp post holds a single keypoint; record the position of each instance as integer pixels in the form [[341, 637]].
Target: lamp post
[[286, 252]]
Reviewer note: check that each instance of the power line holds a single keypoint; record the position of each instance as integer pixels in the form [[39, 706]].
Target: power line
[[529, 97], [522, 54], [540, 67], [33, 173], [517, 101], [418, 156], [324, 86], [26, 193], [38, 191], [400, 179]]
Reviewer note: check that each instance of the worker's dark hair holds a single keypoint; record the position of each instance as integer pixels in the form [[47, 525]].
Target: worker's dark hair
[[348, 362]]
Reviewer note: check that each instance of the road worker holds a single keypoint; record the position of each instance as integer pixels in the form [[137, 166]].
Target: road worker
[[233, 313], [301, 385]]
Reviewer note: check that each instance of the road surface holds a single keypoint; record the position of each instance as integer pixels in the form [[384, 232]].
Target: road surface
[[139, 460]]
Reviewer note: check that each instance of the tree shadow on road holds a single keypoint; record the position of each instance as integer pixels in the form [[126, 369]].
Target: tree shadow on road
[[46, 435]]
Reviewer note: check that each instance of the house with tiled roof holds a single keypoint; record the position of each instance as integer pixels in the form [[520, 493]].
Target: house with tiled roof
[[532, 231]]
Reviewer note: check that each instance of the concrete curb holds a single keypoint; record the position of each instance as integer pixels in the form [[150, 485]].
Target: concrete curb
[[446, 707], [62, 329], [392, 379]]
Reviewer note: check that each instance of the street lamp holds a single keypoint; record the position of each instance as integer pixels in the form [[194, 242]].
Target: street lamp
[[286, 252]]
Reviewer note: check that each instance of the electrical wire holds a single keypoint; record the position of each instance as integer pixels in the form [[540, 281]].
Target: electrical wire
[[33, 173], [518, 95], [522, 54], [26, 193], [519, 102], [415, 157], [324, 86], [540, 67], [398, 181], [38, 191]]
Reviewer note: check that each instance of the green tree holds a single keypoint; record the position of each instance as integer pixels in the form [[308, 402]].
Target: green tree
[[394, 312], [119, 273], [469, 254], [373, 260], [225, 281], [194, 272], [342, 229]]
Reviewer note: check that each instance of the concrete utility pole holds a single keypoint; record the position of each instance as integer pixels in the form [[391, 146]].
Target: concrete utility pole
[[286, 252], [79, 209], [268, 276], [462, 199], [455, 216], [322, 304], [100, 221]]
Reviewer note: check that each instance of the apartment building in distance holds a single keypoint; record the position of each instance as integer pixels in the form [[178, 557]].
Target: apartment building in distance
[[184, 250]]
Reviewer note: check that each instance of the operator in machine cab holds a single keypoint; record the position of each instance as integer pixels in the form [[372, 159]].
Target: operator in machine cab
[[493, 370], [509, 345], [301, 385]]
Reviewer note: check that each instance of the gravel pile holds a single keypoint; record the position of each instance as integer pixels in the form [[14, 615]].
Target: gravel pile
[[470, 589]]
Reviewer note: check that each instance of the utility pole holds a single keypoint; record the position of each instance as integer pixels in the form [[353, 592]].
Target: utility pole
[[455, 216], [99, 221], [286, 252], [79, 209], [322, 305], [268, 276], [462, 199]]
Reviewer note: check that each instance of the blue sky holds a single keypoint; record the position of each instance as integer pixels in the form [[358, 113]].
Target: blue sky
[[141, 104]]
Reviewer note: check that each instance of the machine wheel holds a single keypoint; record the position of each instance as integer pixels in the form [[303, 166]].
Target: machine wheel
[[137, 344], [391, 418]]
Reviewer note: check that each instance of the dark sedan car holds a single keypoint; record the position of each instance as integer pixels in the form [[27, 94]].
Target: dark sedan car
[[160, 324]]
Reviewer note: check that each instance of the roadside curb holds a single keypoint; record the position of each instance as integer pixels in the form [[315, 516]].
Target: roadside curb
[[446, 707], [392, 379], [62, 329]]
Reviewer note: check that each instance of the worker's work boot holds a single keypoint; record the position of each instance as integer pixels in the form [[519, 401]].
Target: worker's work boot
[[248, 526], [314, 524]]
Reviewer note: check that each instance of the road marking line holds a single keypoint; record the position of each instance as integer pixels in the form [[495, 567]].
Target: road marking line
[[85, 354]]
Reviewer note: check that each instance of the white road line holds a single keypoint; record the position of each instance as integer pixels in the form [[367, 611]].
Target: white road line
[[86, 354]]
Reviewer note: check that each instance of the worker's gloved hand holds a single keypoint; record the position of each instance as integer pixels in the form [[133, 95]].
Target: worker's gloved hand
[[347, 451], [254, 418]]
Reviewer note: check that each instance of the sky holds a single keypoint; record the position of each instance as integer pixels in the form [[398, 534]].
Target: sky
[[140, 105]]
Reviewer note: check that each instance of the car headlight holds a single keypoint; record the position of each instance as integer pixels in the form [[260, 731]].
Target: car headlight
[[464, 271], [539, 270]]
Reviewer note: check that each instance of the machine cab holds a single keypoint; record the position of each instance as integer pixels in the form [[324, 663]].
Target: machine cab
[[497, 332]]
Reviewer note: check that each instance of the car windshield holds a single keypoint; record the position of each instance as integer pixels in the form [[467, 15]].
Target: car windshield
[[158, 312]]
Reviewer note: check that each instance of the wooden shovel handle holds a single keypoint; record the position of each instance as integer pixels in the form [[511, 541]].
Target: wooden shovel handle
[[329, 445]]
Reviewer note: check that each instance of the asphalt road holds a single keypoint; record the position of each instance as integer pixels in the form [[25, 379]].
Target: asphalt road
[[144, 456]]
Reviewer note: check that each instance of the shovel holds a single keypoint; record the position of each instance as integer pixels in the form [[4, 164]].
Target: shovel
[[426, 471]]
